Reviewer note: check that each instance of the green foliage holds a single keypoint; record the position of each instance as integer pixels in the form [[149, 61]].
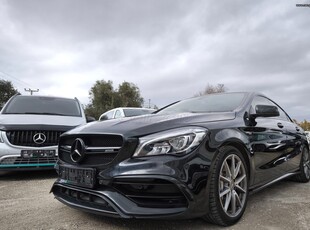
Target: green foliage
[[129, 95], [7, 90], [104, 97]]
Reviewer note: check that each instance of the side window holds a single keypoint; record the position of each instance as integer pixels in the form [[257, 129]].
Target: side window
[[265, 101], [106, 116], [118, 114], [110, 114]]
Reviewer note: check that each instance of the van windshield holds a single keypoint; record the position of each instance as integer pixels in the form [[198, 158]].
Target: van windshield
[[43, 105]]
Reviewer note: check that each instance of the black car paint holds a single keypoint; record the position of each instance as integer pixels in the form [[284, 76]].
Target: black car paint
[[270, 146]]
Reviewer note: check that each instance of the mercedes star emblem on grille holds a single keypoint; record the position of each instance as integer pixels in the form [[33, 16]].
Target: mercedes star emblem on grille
[[77, 150], [39, 138]]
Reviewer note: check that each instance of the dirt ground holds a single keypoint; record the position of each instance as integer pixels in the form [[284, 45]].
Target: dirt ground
[[25, 203]]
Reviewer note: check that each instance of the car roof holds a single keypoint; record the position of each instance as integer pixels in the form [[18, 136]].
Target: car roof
[[133, 108]]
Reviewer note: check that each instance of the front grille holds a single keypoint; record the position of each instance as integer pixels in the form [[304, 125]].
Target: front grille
[[22, 162], [84, 199], [25, 137], [151, 193], [99, 150]]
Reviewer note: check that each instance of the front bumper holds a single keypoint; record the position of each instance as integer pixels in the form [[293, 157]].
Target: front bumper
[[155, 187], [107, 202], [12, 160]]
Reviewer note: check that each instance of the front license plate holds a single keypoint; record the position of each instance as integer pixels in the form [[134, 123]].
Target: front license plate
[[84, 177], [38, 153]]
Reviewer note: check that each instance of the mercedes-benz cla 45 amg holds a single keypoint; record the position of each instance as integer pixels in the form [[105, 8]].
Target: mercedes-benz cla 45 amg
[[199, 157]]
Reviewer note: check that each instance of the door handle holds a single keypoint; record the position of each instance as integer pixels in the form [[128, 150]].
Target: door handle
[[277, 147], [280, 125]]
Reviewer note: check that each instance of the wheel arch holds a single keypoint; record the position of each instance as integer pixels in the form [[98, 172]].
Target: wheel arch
[[244, 151], [234, 137]]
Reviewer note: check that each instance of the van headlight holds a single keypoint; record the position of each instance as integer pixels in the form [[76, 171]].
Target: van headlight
[[175, 141]]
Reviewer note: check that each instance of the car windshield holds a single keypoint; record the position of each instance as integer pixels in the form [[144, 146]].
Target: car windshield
[[136, 112], [43, 105], [206, 104]]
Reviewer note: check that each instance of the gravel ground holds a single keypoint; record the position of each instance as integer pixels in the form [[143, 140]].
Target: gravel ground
[[25, 203]]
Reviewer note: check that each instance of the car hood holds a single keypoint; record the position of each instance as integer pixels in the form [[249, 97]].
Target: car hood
[[147, 124], [33, 121]]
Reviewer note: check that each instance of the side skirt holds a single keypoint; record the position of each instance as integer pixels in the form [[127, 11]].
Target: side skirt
[[256, 189]]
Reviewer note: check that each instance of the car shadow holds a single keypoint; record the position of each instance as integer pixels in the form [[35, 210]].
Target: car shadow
[[150, 224], [264, 195], [27, 175]]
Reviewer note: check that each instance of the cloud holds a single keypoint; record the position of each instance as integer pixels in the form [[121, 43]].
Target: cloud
[[170, 49]]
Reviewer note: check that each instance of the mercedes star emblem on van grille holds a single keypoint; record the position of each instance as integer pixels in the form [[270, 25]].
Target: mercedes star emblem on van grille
[[39, 138], [77, 150]]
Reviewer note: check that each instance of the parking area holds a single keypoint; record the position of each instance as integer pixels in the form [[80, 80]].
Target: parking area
[[25, 203]]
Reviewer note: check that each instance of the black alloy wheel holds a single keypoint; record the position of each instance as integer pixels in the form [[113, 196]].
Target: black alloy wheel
[[304, 175]]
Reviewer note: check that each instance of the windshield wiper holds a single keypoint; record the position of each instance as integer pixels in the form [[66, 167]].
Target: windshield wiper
[[57, 114]]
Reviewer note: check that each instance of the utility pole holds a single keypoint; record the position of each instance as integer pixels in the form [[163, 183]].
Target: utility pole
[[31, 90]]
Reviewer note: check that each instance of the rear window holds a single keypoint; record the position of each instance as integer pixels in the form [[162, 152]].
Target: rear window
[[43, 105]]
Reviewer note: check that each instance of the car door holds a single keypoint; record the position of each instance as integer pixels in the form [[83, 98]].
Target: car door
[[268, 144], [294, 145]]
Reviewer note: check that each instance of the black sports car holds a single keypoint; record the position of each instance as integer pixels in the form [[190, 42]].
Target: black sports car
[[198, 157]]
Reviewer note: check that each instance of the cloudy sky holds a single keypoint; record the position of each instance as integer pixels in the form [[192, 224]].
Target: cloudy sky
[[170, 49]]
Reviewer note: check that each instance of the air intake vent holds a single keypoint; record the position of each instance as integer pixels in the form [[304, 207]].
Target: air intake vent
[[151, 193]]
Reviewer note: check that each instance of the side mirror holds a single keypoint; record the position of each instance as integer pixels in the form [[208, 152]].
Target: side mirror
[[90, 119], [103, 118], [266, 111]]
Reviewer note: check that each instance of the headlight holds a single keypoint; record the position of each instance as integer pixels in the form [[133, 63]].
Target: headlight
[[176, 141]]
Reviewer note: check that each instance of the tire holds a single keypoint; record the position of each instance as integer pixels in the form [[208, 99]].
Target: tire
[[304, 175], [228, 189]]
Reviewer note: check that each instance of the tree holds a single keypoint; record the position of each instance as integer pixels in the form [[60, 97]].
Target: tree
[[210, 89], [7, 90], [129, 95], [104, 97], [101, 98], [305, 125]]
